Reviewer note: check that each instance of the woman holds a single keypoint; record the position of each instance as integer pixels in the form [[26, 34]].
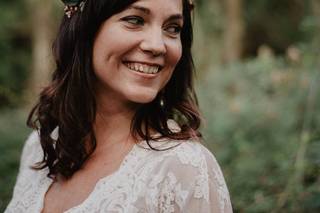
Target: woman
[[117, 128]]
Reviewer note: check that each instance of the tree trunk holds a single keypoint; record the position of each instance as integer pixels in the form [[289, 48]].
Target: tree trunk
[[42, 63], [316, 14], [316, 8], [234, 31], [316, 36]]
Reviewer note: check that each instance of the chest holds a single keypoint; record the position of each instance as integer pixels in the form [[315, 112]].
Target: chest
[[64, 195]]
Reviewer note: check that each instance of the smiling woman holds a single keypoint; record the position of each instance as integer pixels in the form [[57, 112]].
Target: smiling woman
[[117, 127], [136, 51]]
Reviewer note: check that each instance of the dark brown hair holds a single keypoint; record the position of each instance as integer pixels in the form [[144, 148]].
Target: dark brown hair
[[69, 100]]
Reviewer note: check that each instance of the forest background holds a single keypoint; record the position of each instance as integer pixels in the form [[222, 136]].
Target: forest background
[[258, 83]]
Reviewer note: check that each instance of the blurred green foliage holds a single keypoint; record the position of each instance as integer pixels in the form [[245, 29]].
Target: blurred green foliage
[[15, 49], [275, 23], [263, 124]]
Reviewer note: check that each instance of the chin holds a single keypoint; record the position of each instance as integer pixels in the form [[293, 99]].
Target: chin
[[142, 98]]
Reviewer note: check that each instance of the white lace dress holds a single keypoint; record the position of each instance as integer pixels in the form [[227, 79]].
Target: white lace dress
[[186, 178]]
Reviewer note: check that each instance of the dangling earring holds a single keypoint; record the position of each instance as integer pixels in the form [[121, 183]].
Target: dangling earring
[[162, 101]]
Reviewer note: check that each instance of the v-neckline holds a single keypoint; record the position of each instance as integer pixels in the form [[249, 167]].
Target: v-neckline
[[124, 163]]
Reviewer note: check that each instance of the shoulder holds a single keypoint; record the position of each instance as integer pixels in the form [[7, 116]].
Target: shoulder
[[190, 174], [191, 153], [27, 182], [182, 153], [32, 139], [31, 151], [195, 161]]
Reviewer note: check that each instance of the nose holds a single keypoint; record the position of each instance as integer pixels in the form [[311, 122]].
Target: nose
[[153, 42]]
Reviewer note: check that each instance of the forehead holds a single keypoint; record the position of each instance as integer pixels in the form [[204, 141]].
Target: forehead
[[161, 6]]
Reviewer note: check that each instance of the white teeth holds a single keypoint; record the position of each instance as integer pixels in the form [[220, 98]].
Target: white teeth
[[143, 68]]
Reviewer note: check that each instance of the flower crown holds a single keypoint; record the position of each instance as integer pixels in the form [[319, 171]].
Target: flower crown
[[72, 6]]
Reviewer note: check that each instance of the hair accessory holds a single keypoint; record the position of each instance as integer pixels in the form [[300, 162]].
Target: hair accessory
[[72, 6]]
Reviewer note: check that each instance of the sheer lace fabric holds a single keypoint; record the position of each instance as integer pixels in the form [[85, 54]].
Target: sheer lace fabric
[[186, 178]]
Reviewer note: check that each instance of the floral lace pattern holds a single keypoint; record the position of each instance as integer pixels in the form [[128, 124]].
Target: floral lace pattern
[[171, 193], [186, 178]]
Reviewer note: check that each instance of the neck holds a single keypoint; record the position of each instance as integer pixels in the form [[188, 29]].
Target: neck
[[113, 122]]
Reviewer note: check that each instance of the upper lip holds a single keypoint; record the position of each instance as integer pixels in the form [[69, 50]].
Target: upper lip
[[144, 62]]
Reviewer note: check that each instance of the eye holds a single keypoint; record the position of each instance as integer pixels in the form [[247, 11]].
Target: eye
[[133, 20], [174, 29]]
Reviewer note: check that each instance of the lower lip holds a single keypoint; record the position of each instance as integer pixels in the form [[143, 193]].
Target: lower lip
[[143, 75]]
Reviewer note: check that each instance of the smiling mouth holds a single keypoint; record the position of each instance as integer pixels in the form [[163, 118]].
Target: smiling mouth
[[143, 68]]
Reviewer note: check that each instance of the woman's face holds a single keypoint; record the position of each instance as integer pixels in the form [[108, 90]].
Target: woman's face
[[136, 50]]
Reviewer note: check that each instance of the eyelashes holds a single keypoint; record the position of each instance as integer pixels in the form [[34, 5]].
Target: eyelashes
[[175, 29], [134, 22]]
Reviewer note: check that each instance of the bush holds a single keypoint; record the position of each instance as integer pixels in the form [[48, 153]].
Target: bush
[[15, 44], [263, 123]]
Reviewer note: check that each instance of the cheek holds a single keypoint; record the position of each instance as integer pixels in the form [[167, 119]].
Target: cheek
[[175, 54], [173, 59], [111, 43]]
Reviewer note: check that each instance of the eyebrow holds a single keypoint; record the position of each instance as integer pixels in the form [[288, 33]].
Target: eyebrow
[[142, 9], [148, 12]]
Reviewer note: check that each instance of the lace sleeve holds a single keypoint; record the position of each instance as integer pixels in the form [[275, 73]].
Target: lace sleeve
[[27, 156], [193, 182], [28, 151], [210, 192]]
